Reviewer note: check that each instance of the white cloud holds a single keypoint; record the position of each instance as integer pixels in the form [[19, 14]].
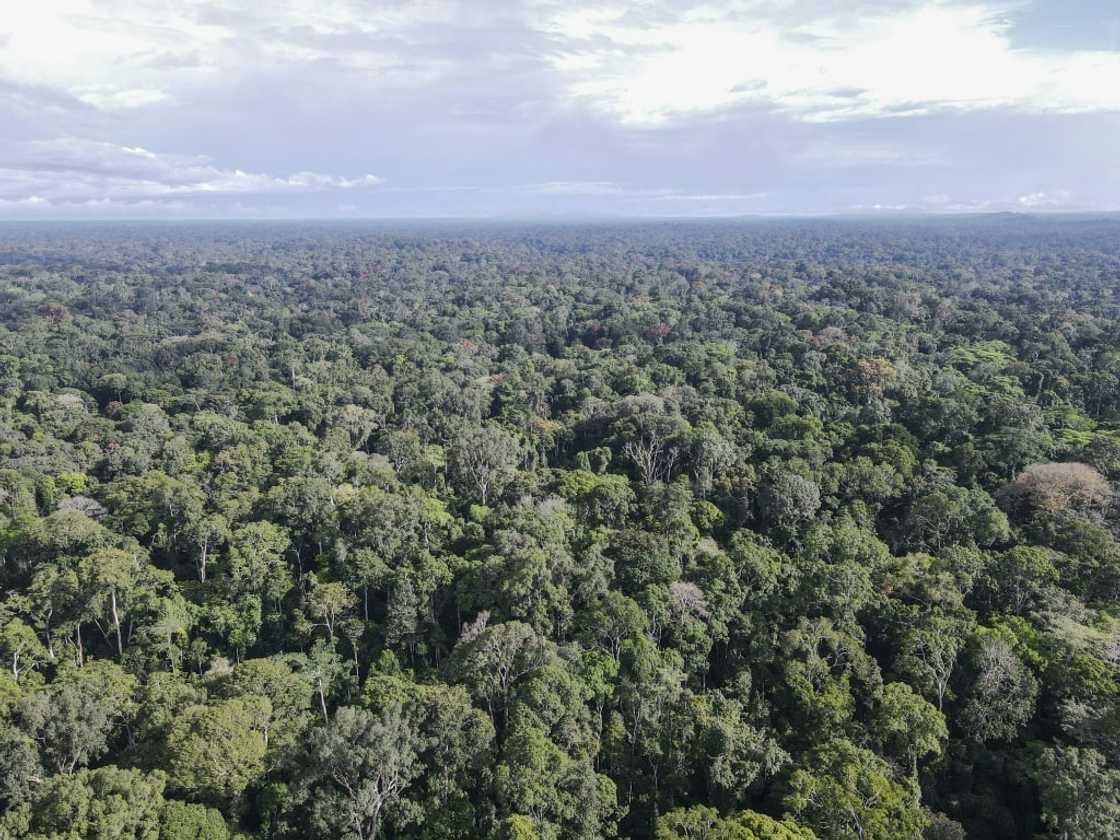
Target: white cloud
[[122, 99], [125, 54], [904, 58], [72, 169], [881, 208], [610, 189], [644, 63], [834, 154], [1043, 199], [717, 196], [1056, 200], [37, 207], [576, 188], [548, 104]]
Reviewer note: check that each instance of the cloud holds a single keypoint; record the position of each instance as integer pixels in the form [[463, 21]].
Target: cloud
[[599, 188], [551, 106], [891, 59], [120, 99], [71, 169], [643, 64], [37, 207], [612, 190], [1043, 199], [34, 97], [717, 197], [126, 54], [864, 153]]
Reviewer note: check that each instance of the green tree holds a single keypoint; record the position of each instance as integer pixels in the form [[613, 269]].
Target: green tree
[[929, 652], [703, 823], [256, 561], [562, 796], [104, 803], [1079, 794], [288, 691], [216, 751], [76, 716], [482, 461], [909, 725], [845, 792], [356, 772], [1001, 697]]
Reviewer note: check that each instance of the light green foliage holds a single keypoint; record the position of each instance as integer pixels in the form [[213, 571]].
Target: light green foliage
[[185, 821], [702, 823], [563, 796], [289, 693], [256, 560], [20, 648], [216, 751], [846, 792], [103, 804], [909, 725]]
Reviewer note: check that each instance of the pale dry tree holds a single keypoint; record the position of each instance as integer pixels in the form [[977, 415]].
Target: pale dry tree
[[1056, 487]]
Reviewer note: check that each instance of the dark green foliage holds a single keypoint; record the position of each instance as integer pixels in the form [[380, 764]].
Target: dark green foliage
[[767, 531]]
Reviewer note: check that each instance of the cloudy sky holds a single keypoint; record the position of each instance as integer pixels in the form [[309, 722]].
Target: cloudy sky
[[481, 108]]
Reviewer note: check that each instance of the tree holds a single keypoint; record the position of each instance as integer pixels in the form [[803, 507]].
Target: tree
[[787, 499], [216, 751], [1001, 697], [188, 821], [155, 506], [712, 457], [456, 741], [21, 648], [323, 667], [207, 533], [482, 461], [1079, 793], [929, 651], [107, 576], [650, 435], [356, 771], [845, 792], [492, 660], [731, 753], [328, 602], [562, 796], [256, 560], [839, 562], [951, 515], [20, 769], [1017, 580], [1056, 487], [288, 691], [612, 621], [74, 718], [703, 823], [527, 571], [909, 725], [106, 802]]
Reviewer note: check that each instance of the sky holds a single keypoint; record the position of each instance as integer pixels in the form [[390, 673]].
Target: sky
[[556, 108]]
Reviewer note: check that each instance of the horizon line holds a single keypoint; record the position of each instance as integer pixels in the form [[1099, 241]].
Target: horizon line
[[580, 219]]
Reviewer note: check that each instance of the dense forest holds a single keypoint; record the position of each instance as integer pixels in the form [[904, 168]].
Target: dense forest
[[771, 530]]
